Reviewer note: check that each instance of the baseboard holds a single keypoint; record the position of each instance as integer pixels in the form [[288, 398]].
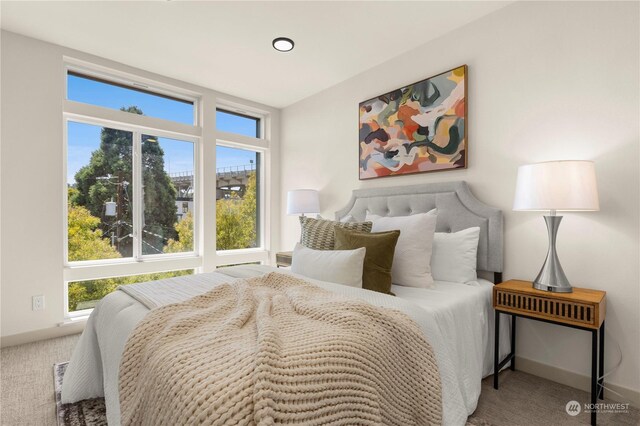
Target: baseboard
[[576, 380], [37, 335]]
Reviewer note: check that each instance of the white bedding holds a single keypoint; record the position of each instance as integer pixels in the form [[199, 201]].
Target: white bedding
[[455, 318]]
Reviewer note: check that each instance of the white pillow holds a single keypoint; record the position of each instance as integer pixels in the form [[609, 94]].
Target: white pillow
[[455, 256], [348, 219], [412, 258], [335, 266]]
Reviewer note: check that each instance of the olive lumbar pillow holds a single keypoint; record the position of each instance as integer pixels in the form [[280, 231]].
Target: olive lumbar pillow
[[378, 259], [317, 234]]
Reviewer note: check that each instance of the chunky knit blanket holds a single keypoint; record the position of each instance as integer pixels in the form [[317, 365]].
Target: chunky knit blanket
[[277, 350]]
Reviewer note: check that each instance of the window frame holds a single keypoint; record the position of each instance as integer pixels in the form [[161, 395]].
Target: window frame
[[196, 198], [244, 114], [74, 315], [259, 199], [260, 145], [205, 136], [137, 124], [127, 81], [138, 213]]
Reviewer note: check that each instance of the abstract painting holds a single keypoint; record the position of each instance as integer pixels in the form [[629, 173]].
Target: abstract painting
[[418, 128]]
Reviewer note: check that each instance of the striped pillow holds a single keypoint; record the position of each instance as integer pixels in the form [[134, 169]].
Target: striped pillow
[[318, 234]]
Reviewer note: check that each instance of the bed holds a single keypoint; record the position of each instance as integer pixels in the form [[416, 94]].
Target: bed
[[455, 318]]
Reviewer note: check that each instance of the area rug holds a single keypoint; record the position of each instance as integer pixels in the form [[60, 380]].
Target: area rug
[[92, 412], [88, 412]]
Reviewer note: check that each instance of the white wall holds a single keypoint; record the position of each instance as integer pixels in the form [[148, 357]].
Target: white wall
[[546, 81], [33, 85]]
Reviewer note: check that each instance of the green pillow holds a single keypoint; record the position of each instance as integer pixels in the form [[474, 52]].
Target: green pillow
[[376, 274]]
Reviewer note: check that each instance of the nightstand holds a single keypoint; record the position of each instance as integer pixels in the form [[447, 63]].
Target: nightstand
[[283, 258], [584, 309]]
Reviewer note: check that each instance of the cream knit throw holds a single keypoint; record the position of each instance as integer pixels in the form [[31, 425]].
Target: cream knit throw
[[277, 350]]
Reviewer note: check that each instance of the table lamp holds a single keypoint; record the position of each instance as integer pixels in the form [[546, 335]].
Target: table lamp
[[555, 186], [301, 201]]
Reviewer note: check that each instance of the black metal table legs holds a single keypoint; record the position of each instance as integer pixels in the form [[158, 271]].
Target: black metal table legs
[[513, 342], [594, 374], [597, 369], [496, 351], [497, 364], [601, 364], [597, 358]]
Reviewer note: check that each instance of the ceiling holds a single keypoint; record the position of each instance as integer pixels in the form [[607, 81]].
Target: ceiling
[[226, 46]]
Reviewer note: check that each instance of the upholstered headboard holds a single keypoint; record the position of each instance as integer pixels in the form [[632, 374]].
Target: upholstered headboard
[[457, 208]]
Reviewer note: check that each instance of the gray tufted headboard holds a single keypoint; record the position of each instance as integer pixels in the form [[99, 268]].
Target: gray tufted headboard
[[457, 208]]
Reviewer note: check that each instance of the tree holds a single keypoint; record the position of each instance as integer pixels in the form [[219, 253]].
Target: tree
[[159, 198], [184, 229], [248, 212], [229, 235], [86, 241], [108, 176], [86, 294], [236, 219], [236, 229]]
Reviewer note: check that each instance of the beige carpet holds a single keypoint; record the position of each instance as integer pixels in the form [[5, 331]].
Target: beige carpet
[[526, 400], [27, 394], [26, 385]]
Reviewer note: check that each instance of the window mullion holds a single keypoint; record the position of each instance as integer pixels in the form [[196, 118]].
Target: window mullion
[[138, 195]]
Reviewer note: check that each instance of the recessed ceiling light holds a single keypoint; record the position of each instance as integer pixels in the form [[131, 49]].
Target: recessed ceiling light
[[282, 44]]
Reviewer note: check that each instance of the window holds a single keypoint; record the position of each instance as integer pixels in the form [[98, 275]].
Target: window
[[130, 97], [234, 122], [238, 185], [102, 198], [237, 198], [167, 184], [131, 188], [100, 192], [86, 294], [135, 190]]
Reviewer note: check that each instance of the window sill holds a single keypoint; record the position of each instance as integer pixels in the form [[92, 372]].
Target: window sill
[[131, 267], [131, 260], [68, 321], [241, 251]]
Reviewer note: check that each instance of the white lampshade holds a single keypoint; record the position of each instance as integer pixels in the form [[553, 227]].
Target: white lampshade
[[301, 201], [557, 185]]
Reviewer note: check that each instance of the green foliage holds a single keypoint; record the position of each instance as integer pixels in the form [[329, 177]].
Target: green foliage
[[108, 176], [159, 197], [236, 219], [86, 241], [184, 228], [248, 211], [86, 294]]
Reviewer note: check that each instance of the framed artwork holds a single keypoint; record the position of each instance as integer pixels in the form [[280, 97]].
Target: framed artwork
[[417, 128]]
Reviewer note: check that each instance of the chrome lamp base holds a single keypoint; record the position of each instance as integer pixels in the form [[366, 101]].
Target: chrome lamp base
[[551, 276]]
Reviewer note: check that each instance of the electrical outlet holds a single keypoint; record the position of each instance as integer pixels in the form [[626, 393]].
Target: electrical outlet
[[37, 303]]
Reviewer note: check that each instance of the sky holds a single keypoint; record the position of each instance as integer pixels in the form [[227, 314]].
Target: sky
[[83, 139]]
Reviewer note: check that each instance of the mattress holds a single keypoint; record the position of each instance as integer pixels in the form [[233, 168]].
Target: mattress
[[455, 318]]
